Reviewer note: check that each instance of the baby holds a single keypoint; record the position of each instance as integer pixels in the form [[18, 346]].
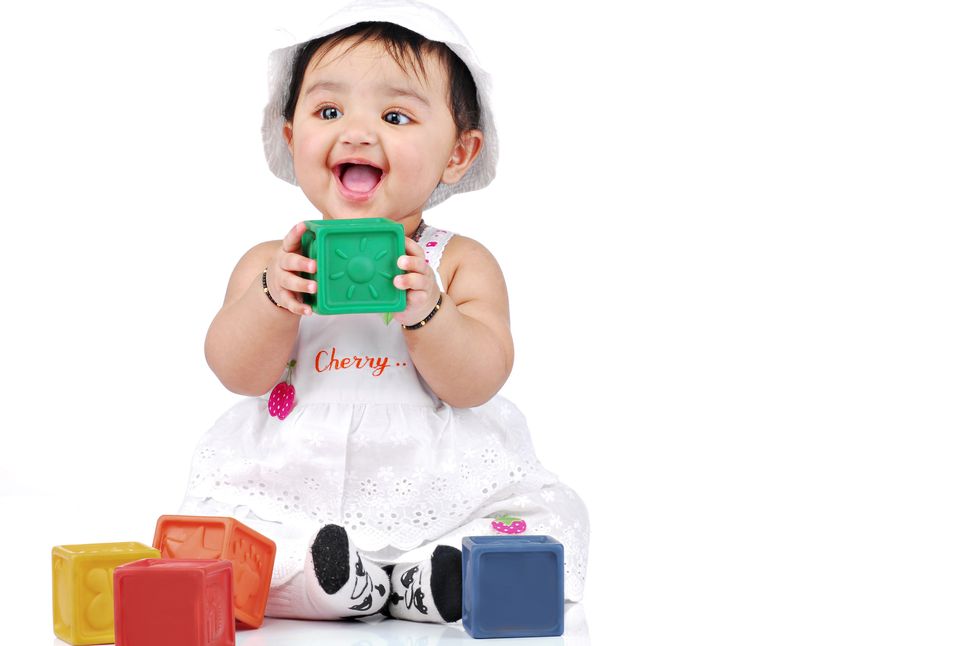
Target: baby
[[371, 480]]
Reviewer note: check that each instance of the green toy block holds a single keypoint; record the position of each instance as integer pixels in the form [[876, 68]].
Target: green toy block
[[356, 262]]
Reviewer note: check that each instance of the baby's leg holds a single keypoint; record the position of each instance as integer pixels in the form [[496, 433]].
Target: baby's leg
[[426, 582], [336, 582], [554, 510], [322, 578], [340, 581], [428, 590]]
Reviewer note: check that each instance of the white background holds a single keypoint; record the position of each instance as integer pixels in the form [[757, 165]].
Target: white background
[[741, 245]]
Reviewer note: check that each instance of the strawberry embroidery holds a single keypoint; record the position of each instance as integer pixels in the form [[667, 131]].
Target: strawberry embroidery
[[509, 525], [283, 396]]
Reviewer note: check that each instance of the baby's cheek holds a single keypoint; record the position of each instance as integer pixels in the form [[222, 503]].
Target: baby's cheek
[[308, 158], [311, 148], [417, 172]]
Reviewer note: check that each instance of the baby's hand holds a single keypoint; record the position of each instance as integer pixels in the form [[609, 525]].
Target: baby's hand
[[284, 285], [420, 281]]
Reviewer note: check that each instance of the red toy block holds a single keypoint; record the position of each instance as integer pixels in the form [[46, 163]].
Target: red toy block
[[167, 602], [213, 537]]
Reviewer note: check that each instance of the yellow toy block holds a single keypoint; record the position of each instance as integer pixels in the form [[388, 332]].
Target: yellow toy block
[[81, 586]]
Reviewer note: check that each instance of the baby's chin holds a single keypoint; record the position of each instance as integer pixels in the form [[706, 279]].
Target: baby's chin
[[331, 211], [357, 212]]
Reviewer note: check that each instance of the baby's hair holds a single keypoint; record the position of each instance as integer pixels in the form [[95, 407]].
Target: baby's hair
[[404, 46]]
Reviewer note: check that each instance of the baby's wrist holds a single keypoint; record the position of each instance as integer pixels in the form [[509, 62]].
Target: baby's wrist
[[428, 318], [273, 300], [265, 288]]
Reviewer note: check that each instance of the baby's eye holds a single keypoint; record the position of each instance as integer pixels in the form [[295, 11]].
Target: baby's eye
[[329, 113], [397, 121]]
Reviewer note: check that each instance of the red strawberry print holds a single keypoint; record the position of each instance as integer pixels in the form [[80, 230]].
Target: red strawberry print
[[509, 525], [283, 396]]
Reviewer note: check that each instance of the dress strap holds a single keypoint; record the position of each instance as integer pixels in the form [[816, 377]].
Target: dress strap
[[433, 242]]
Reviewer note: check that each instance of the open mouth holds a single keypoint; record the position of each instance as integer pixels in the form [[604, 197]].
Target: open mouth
[[358, 180]]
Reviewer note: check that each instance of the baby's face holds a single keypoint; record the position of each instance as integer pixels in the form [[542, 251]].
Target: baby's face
[[370, 140]]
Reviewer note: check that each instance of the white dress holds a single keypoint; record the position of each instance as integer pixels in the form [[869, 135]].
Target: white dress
[[370, 447]]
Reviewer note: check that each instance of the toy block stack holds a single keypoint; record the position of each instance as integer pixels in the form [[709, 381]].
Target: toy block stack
[[202, 574]]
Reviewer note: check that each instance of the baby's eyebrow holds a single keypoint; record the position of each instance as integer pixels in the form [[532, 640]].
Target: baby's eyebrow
[[387, 90]]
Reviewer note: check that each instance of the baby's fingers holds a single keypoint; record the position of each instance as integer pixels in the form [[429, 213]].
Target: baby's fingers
[[290, 302], [413, 264], [413, 248], [296, 283], [292, 239], [296, 262], [412, 281]]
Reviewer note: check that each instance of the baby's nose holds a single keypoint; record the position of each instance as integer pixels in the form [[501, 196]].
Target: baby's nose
[[357, 131]]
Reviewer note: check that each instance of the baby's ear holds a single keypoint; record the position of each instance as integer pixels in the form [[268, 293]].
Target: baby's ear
[[287, 134], [463, 155]]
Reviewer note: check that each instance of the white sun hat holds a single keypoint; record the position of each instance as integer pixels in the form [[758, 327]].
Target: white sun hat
[[418, 17]]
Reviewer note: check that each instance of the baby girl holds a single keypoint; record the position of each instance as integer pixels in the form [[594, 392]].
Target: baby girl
[[371, 480]]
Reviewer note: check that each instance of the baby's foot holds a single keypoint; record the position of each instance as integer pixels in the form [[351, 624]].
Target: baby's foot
[[428, 591], [339, 580]]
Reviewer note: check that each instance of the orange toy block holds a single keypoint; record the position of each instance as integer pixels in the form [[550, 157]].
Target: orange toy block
[[213, 537]]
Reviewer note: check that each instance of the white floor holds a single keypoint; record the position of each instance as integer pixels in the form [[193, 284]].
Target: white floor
[[388, 632]]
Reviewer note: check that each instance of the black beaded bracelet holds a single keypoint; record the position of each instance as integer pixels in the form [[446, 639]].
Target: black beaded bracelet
[[427, 318], [265, 288]]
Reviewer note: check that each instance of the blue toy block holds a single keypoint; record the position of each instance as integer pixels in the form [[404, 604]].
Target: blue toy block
[[513, 586]]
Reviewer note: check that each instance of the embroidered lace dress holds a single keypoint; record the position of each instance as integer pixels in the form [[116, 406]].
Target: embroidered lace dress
[[370, 447]]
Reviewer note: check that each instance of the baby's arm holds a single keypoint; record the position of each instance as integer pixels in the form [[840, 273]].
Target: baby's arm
[[250, 340], [465, 352]]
